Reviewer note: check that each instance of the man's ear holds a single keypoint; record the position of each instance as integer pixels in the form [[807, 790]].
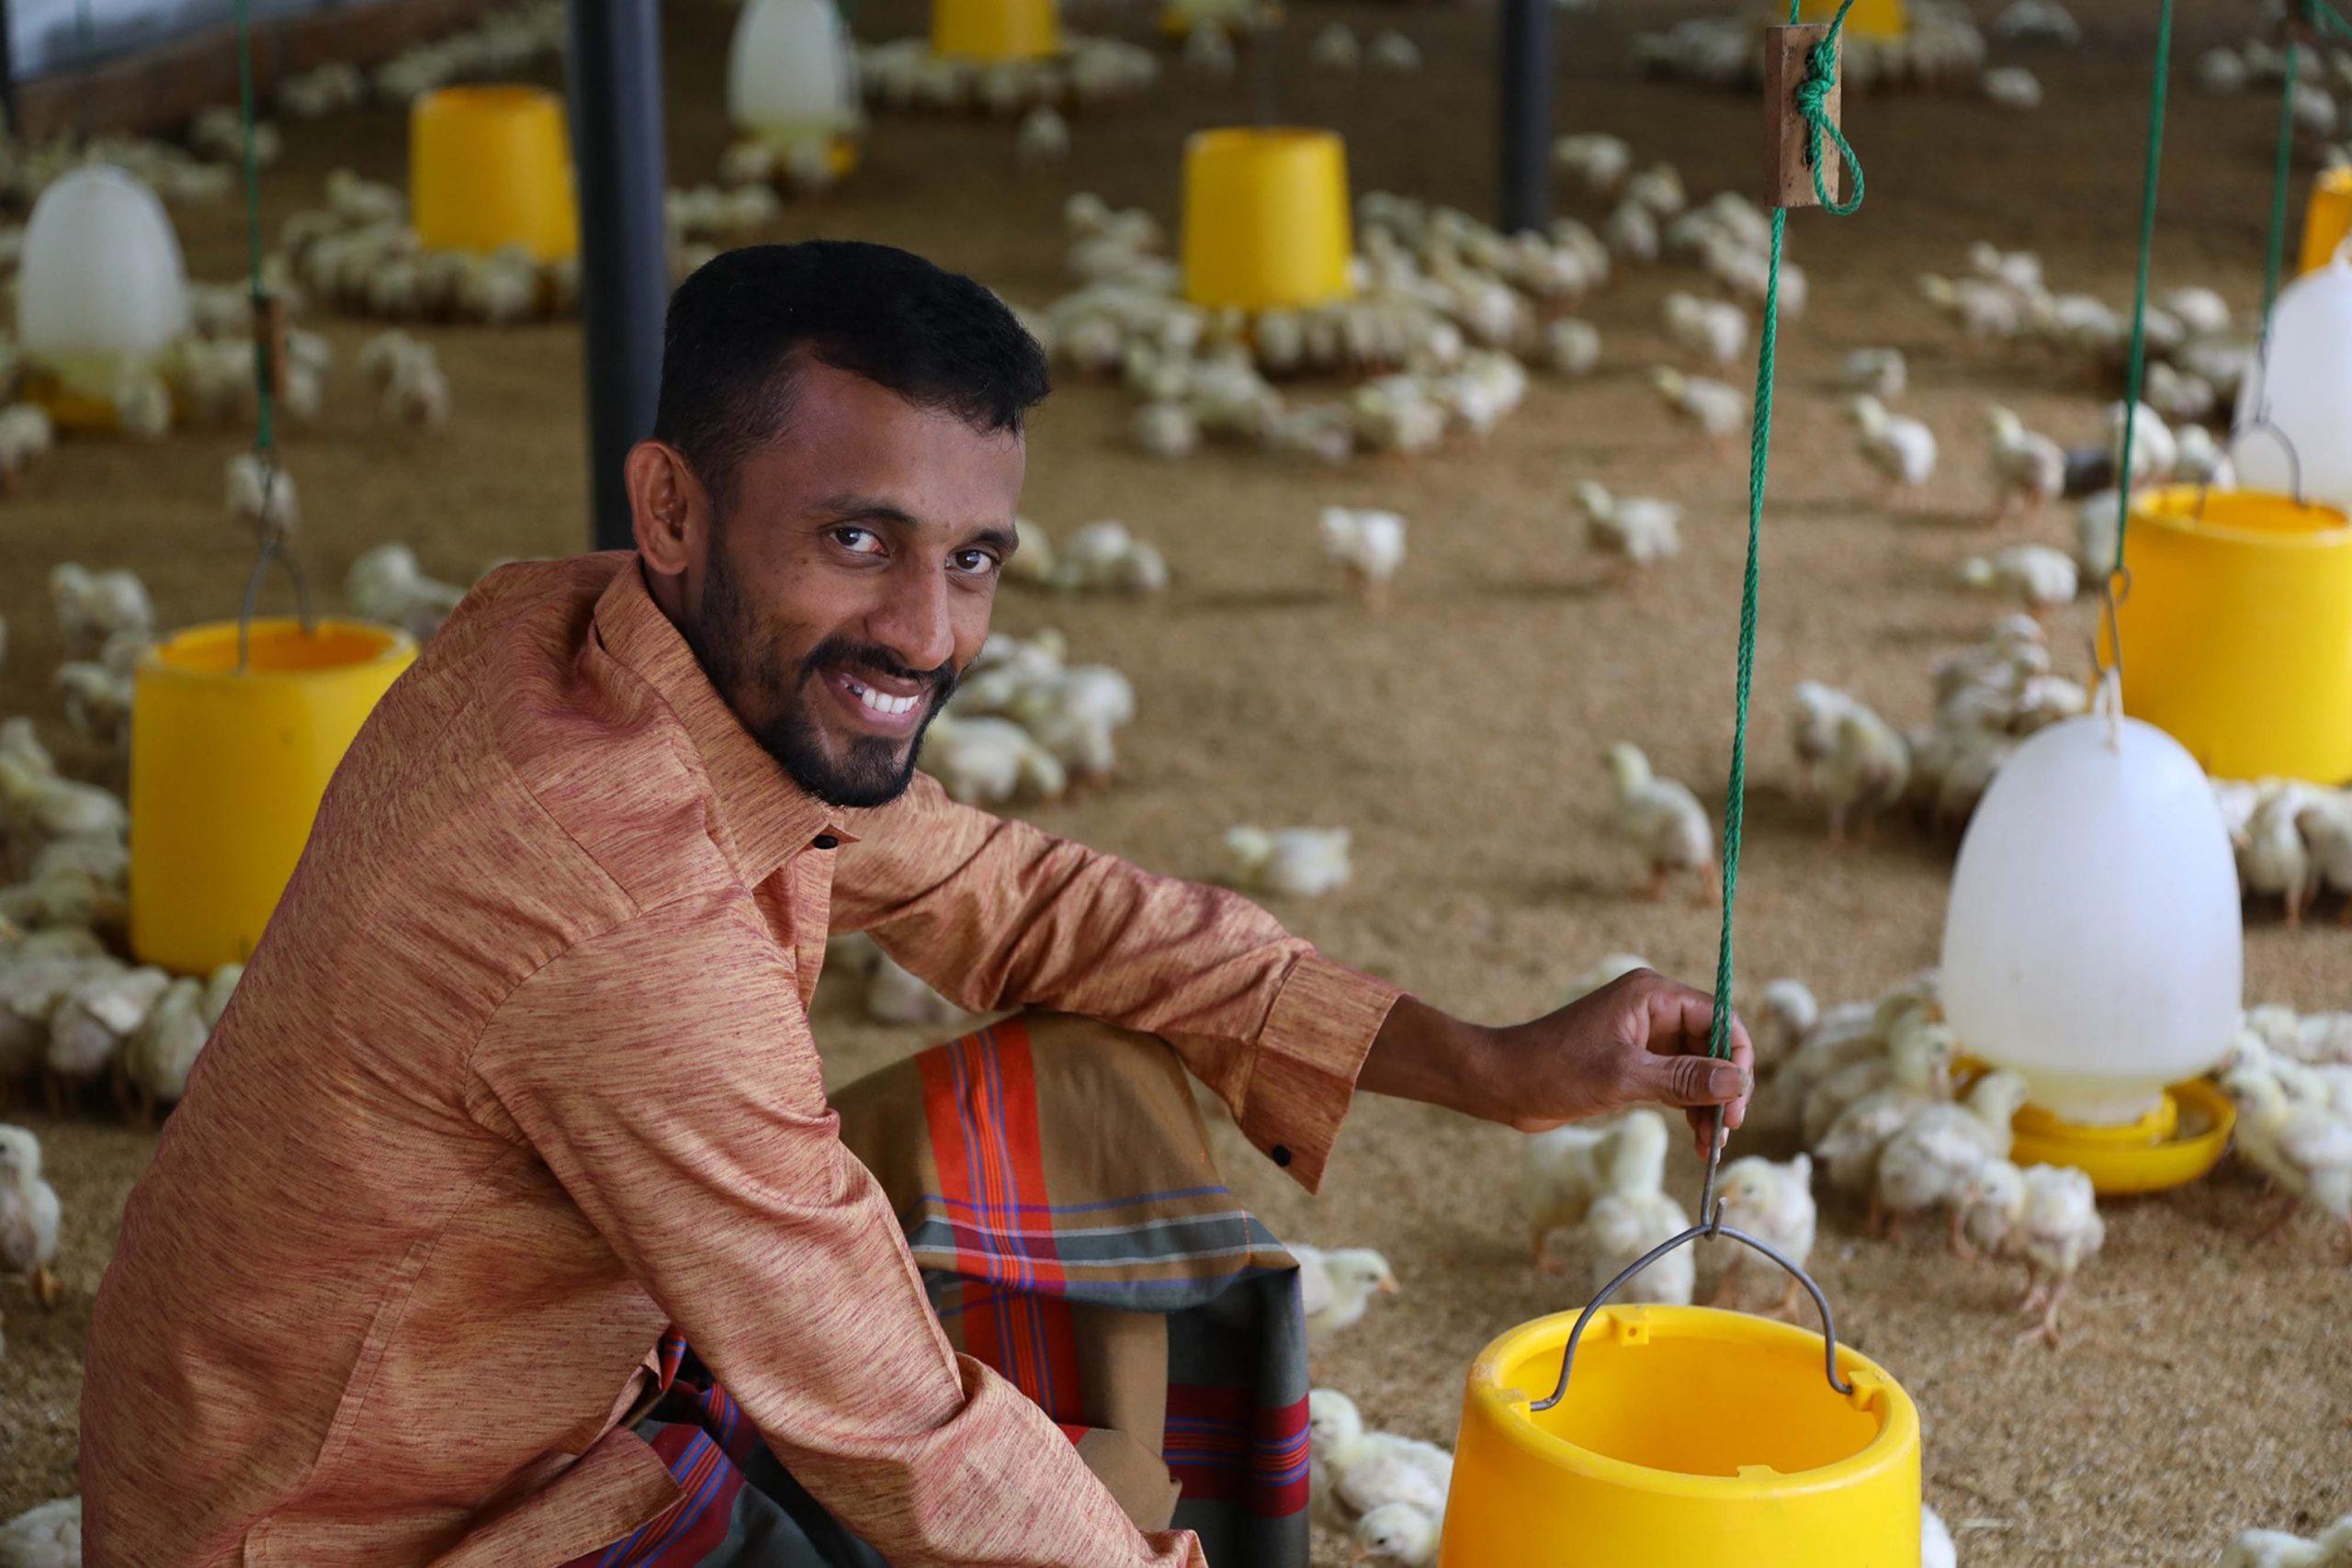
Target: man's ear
[[669, 508]]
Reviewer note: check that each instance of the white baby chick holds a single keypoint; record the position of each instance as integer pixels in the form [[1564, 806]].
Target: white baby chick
[[89, 1026], [157, 1058], [1812, 728], [1935, 1548], [2028, 466], [386, 584], [2012, 88], [2154, 452], [1369, 546], [1849, 1115], [1929, 1161], [1302, 863], [1572, 347], [1664, 821], [1371, 1470], [1104, 557], [28, 1214], [1613, 967], [1349, 1278], [1335, 48], [1166, 430], [49, 1536], [1783, 1014], [1900, 447], [2277, 1549], [1042, 136], [1638, 529], [1621, 1228], [987, 760], [1564, 1171], [1992, 1202], [2325, 822], [2038, 577], [2274, 859], [1714, 330], [2060, 1231], [1772, 1200], [1398, 1532], [1867, 770], [2304, 1147], [1879, 372], [1601, 162], [93, 606], [1394, 51], [1712, 406]]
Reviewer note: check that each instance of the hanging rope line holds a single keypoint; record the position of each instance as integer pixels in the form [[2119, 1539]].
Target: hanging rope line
[[1811, 96], [2275, 258], [2116, 581]]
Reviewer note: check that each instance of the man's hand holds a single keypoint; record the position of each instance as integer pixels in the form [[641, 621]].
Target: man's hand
[[1642, 1039]]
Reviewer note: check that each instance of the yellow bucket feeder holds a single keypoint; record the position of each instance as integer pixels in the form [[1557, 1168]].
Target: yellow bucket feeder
[[489, 167], [227, 769], [2327, 223], [2237, 631], [1686, 1436], [1869, 18], [1266, 222], [995, 32]]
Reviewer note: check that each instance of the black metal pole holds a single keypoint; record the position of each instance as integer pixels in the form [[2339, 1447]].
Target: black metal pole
[[615, 71], [8, 76], [1524, 62]]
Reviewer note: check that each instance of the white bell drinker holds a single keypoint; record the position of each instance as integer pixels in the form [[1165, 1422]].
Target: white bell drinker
[[101, 288], [2094, 942], [791, 75], [2304, 390]]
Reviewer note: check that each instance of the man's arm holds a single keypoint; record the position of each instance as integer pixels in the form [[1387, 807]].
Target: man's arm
[[996, 913], [666, 1075]]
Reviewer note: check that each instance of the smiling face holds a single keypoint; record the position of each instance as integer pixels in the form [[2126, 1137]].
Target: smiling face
[[837, 588]]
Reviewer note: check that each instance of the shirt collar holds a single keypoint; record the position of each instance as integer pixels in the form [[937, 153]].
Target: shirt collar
[[763, 816]]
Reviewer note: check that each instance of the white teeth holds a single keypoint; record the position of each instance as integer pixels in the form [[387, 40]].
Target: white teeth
[[879, 702]]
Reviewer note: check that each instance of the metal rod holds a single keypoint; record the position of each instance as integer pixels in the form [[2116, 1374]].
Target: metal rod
[[615, 76], [1828, 1325], [9, 75], [1524, 62]]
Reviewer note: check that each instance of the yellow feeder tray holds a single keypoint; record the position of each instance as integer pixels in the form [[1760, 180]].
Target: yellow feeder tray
[[997, 31], [2184, 1137], [489, 167], [68, 406], [2327, 223], [1266, 222], [2237, 630], [227, 769], [1767, 1467], [1869, 18]]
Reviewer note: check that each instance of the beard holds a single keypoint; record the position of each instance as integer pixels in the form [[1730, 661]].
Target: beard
[[743, 662]]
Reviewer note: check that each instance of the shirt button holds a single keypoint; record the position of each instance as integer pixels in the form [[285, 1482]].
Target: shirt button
[[826, 841], [1281, 1153]]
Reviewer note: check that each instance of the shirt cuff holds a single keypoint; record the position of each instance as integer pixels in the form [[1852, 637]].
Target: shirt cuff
[[1303, 1071]]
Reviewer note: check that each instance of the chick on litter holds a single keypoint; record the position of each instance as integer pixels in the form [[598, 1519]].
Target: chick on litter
[[1572, 347], [1664, 821], [386, 584], [2039, 576], [1399, 1532], [1335, 48], [1564, 1171], [1877, 372], [26, 433], [2155, 451], [1624, 1226], [1935, 1548], [1630, 232], [1783, 1014], [1365, 1471], [2012, 88], [1849, 1115], [1104, 557], [49, 1536], [2277, 1549], [1369, 546], [2305, 1149], [1606, 971], [1602, 161], [1395, 52], [1900, 447], [1304, 863], [1772, 1200], [2059, 1231], [987, 760], [1992, 1202], [1635, 528], [1867, 770], [28, 1214], [2027, 468], [1043, 137], [92, 606], [1928, 1163], [88, 1029], [1166, 430], [2274, 859], [1337, 1287], [1713, 331], [1712, 406]]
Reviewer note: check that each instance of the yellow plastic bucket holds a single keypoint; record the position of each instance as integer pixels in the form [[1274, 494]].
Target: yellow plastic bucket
[[2327, 222], [1266, 218], [1689, 1437], [226, 773], [1869, 18], [2237, 631], [995, 31], [489, 167]]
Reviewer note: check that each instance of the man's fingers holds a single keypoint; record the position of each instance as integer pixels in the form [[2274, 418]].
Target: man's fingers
[[1693, 1081]]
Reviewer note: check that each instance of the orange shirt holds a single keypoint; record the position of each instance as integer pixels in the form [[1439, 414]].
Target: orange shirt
[[522, 1073]]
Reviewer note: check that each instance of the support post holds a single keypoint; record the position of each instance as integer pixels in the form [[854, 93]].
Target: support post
[[615, 76], [1524, 64]]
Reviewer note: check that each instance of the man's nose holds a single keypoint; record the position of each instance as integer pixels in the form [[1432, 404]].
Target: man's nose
[[912, 620]]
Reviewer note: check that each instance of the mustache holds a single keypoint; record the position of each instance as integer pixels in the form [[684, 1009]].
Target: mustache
[[842, 650]]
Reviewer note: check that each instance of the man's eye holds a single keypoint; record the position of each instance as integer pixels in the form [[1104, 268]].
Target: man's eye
[[863, 541], [974, 561]]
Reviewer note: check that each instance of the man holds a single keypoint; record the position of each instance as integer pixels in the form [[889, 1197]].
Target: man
[[515, 1124]]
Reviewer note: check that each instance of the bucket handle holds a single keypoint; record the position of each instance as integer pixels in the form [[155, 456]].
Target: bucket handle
[[2286, 444], [275, 546], [1715, 1227]]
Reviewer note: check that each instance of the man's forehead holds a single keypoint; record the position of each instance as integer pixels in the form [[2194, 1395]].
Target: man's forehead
[[846, 437]]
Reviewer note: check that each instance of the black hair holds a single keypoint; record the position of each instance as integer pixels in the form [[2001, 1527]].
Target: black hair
[[736, 327]]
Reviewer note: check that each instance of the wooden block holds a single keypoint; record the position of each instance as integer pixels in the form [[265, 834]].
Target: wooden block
[[1789, 179]]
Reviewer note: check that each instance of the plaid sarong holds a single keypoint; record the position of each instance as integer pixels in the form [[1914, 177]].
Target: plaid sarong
[[1056, 1187]]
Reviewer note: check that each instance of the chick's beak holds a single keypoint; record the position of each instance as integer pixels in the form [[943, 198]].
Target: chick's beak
[[1387, 1287]]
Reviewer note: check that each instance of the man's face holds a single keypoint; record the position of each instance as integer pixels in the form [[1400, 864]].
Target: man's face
[[849, 582]]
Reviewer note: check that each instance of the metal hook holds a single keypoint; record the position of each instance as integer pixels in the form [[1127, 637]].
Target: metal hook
[[2260, 421], [1715, 1228], [274, 548]]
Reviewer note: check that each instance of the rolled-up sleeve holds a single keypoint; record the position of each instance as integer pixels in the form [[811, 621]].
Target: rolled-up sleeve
[[996, 913], [665, 1073]]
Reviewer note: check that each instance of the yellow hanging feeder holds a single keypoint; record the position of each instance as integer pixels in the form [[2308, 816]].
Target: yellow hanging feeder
[[995, 31], [227, 768], [1266, 222], [1869, 18], [488, 167]]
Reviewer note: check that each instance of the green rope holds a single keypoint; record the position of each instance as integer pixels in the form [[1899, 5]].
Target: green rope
[[1812, 100], [2139, 298], [2282, 172], [264, 435]]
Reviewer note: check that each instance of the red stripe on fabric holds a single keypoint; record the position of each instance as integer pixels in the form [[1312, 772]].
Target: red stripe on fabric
[[1223, 1446]]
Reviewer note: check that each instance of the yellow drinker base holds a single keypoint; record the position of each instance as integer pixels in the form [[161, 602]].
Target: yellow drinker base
[[2171, 1146], [2327, 223], [2237, 630], [491, 167], [1266, 218], [226, 773], [1691, 1438]]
